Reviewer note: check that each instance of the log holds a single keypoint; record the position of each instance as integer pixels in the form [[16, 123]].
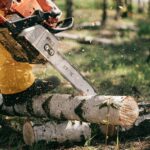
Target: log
[[75, 131], [115, 110], [88, 25], [124, 27], [86, 40], [67, 131]]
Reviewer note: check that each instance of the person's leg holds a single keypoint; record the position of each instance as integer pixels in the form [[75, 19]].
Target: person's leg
[[39, 87]]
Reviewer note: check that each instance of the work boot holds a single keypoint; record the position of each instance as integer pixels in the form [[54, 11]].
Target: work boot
[[40, 86]]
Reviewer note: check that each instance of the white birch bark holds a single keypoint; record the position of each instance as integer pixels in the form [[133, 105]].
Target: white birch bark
[[114, 110]]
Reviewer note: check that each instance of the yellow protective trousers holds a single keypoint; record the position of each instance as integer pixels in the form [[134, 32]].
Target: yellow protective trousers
[[15, 77]]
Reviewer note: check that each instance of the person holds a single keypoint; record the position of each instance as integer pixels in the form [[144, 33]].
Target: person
[[17, 81]]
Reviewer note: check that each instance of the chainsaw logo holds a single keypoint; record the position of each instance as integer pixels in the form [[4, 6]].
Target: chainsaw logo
[[49, 50]]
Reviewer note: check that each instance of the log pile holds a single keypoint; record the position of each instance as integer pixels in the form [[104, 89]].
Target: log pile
[[71, 117]]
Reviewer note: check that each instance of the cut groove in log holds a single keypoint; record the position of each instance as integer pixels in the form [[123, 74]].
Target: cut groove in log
[[73, 131], [114, 110]]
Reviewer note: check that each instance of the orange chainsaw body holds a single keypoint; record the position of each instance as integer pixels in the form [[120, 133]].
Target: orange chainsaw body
[[24, 8], [17, 15]]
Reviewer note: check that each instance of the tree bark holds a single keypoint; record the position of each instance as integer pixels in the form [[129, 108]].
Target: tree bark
[[69, 8], [115, 110]]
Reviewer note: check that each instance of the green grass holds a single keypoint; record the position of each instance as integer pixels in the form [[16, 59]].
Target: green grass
[[124, 66], [144, 27]]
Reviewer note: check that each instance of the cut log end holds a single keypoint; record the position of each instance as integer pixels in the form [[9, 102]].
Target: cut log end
[[129, 112], [28, 133]]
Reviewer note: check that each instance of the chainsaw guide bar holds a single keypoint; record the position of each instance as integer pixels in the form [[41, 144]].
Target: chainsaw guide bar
[[47, 45]]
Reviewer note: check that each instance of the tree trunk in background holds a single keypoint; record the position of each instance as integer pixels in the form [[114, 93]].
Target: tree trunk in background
[[149, 8], [130, 7], [69, 8], [125, 9], [115, 110], [104, 13], [119, 4], [140, 6]]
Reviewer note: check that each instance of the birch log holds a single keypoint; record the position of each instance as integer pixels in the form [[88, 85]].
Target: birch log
[[75, 131], [114, 110], [67, 131]]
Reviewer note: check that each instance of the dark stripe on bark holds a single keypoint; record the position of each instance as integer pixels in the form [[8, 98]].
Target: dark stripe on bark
[[46, 108], [62, 117], [79, 111], [30, 108], [6, 112], [15, 112], [82, 137], [1, 106]]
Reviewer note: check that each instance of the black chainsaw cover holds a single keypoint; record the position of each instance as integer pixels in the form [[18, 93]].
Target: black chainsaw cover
[[18, 53]]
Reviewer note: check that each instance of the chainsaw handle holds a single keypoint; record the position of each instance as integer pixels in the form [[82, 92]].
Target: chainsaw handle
[[60, 26], [38, 18]]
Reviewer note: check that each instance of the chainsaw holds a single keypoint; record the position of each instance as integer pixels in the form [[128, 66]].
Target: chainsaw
[[27, 31]]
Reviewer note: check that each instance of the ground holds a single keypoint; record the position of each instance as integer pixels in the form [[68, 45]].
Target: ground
[[119, 69]]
